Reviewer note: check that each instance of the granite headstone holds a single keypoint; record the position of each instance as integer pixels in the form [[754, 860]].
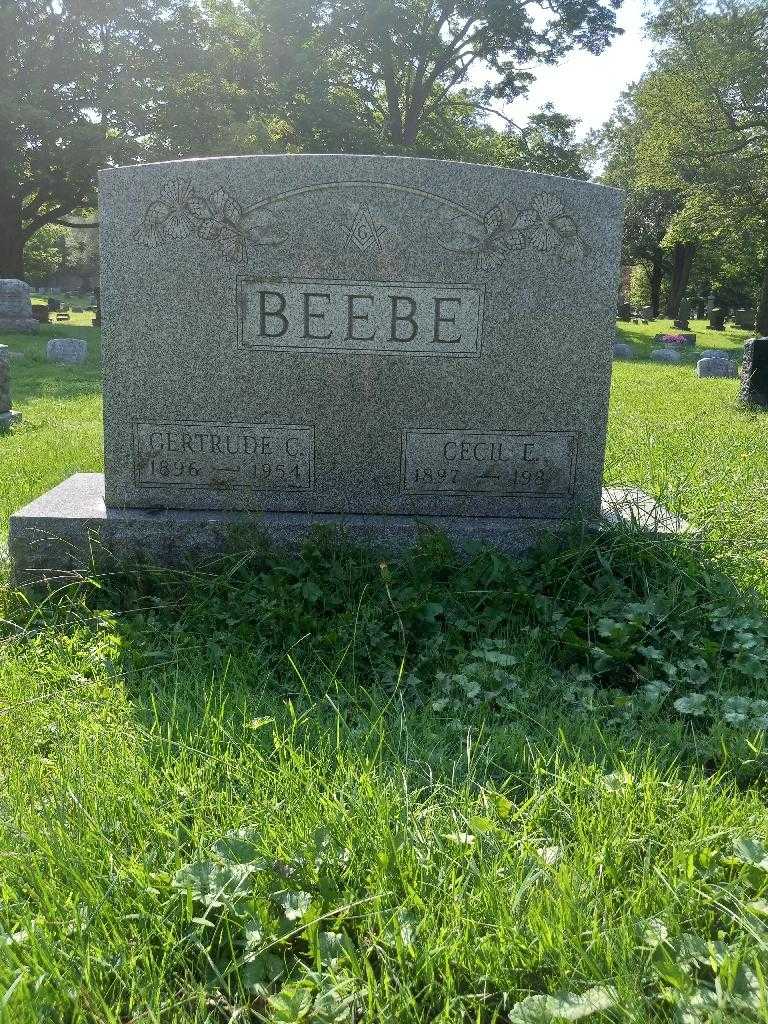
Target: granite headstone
[[715, 367], [665, 355], [67, 350], [379, 343], [754, 373], [621, 350], [16, 306], [7, 414]]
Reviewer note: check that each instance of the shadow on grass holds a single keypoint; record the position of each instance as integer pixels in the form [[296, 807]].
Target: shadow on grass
[[582, 647]]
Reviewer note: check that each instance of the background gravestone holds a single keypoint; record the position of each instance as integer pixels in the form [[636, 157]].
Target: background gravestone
[[384, 343], [717, 320], [67, 350], [754, 373], [665, 355], [715, 367], [7, 415], [16, 306], [623, 351]]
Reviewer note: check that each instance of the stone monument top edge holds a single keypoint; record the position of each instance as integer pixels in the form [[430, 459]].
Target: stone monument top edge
[[379, 160]]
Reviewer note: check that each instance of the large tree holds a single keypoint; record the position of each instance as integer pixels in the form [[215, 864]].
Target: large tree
[[84, 83], [705, 108], [391, 66]]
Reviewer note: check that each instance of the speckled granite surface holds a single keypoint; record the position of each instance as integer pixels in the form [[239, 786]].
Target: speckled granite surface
[[336, 335]]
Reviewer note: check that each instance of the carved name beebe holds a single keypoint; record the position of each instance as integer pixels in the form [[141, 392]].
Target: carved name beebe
[[223, 455], [360, 316], [498, 462]]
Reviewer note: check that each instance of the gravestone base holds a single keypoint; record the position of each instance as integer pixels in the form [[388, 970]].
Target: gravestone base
[[68, 532], [7, 419]]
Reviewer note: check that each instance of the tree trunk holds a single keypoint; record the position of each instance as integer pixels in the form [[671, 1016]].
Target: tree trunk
[[682, 262], [11, 240], [655, 279], [762, 308]]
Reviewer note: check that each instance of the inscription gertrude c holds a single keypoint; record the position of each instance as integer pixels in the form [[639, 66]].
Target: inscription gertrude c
[[500, 463], [371, 317], [257, 456]]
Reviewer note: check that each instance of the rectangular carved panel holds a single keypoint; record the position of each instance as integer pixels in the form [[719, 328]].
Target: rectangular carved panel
[[264, 457], [498, 463], [360, 316]]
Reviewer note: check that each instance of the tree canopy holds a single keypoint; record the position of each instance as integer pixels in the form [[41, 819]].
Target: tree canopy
[[83, 83], [704, 114]]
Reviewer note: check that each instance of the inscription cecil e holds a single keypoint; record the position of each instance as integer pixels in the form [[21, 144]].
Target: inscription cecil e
[[268, 457], [488, 462], [360, 316]]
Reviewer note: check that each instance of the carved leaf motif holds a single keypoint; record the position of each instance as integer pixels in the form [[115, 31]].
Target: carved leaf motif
[[177, 225], [156, 215], [233, 244], [224, 207], [548, 206], [545, 238], [525, 219], [463, 233], [197, 206], [565, 226], [209, 230]]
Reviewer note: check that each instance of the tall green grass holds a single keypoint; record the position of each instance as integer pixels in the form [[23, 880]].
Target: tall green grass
[[343, 786]]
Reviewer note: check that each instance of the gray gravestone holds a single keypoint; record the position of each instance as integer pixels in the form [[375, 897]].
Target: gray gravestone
[[623, 351], [7, 414], [713, 353], [67, 350], [665, 355], [745, 318], [754, 373], [16, 306], [383, 343], [717, 319], [715, 367], [683, 314]]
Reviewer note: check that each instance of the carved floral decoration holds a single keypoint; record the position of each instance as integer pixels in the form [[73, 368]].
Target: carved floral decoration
[[217, 218], [506, 229]]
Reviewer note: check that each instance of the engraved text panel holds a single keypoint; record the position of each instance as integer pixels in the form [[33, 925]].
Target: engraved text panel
[[488, 462], [265, 457], [360, 316]]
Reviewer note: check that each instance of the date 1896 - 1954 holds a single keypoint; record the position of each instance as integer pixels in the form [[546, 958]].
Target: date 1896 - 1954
[[268, 456]]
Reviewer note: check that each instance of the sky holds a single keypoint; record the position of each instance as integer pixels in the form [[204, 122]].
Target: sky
[[587, 87]]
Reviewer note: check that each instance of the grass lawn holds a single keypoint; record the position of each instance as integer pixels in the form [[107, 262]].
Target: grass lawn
[[326, 789]]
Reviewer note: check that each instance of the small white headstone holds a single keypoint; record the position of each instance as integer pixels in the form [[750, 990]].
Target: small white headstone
[[665, 355], [623, 351], [67, 350], [716, 368]]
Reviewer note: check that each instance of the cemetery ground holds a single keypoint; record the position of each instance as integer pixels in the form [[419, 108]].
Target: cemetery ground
[[328, 788]]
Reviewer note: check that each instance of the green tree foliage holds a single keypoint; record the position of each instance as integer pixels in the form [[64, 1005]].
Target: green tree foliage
[[650, 207], [84, 83], [705, 111], [43, 253], [374, 74]]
